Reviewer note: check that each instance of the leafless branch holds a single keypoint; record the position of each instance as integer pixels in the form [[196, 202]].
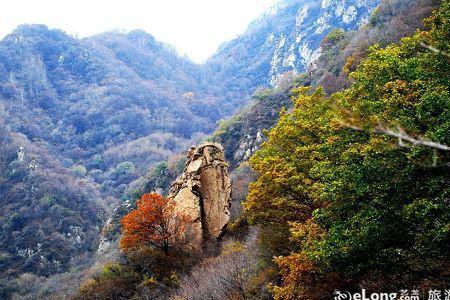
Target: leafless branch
[[403, 137], [435, 50]]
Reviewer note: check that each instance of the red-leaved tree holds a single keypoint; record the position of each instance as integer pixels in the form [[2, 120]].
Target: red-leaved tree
[[153, 224]]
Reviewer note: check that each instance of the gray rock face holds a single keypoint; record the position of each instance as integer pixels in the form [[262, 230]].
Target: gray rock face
[[287, 38], [203, 193]]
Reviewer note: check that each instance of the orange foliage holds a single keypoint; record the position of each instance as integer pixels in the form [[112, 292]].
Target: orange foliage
[[153, 224], [302, 279]]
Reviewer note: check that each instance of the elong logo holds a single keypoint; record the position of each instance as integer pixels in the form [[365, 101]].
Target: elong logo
[[338, 295]]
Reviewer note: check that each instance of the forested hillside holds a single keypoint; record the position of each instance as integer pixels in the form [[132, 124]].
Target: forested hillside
[[285, 38], [353, 188], [50, 217], [342, 52], [103, 95]]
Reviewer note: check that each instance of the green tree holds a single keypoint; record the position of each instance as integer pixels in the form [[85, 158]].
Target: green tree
[[348, 202]]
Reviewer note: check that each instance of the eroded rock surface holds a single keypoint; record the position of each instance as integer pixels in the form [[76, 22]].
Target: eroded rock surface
[[203, 192]]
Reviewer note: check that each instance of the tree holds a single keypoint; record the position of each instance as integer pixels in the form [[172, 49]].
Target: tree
[[5, 145], [354, 207], [153, 224], [115, 281], [227, 276], [283, 192]]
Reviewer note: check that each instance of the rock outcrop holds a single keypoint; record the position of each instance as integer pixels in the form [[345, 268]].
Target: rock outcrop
[[203, 193], [287, 38]]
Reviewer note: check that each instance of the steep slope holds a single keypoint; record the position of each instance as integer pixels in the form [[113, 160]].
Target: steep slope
[[351, 192], [286, 38], [242, 134], [342, 52], [102, 95], [127, 98], [49, 216]]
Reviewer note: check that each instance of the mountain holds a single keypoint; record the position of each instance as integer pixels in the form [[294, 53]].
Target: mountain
[[115, 104], [114, 98], [286, 38], [108, 92], [80, 119], [342, 51]]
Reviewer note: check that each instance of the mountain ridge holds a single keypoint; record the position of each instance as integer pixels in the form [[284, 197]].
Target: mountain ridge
[[287, 39]]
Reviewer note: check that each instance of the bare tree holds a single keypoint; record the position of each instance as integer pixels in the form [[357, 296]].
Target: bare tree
[[223, 277]]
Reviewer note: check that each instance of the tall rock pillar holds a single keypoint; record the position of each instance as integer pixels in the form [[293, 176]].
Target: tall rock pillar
[[203, 193]]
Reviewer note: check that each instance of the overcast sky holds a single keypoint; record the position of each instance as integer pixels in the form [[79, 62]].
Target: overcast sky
[[195, 27]]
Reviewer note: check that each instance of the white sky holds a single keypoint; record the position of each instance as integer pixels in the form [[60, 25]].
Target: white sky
[[194, 27]]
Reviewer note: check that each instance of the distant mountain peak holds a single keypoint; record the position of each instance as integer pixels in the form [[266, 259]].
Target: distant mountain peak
[[141, 34], [37, 30]]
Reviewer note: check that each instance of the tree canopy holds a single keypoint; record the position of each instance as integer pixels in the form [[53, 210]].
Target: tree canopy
[[346, 194], [152, 224]]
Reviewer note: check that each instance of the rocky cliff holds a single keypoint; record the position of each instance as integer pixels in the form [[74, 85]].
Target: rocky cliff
[[203, 192], [286, 38]]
